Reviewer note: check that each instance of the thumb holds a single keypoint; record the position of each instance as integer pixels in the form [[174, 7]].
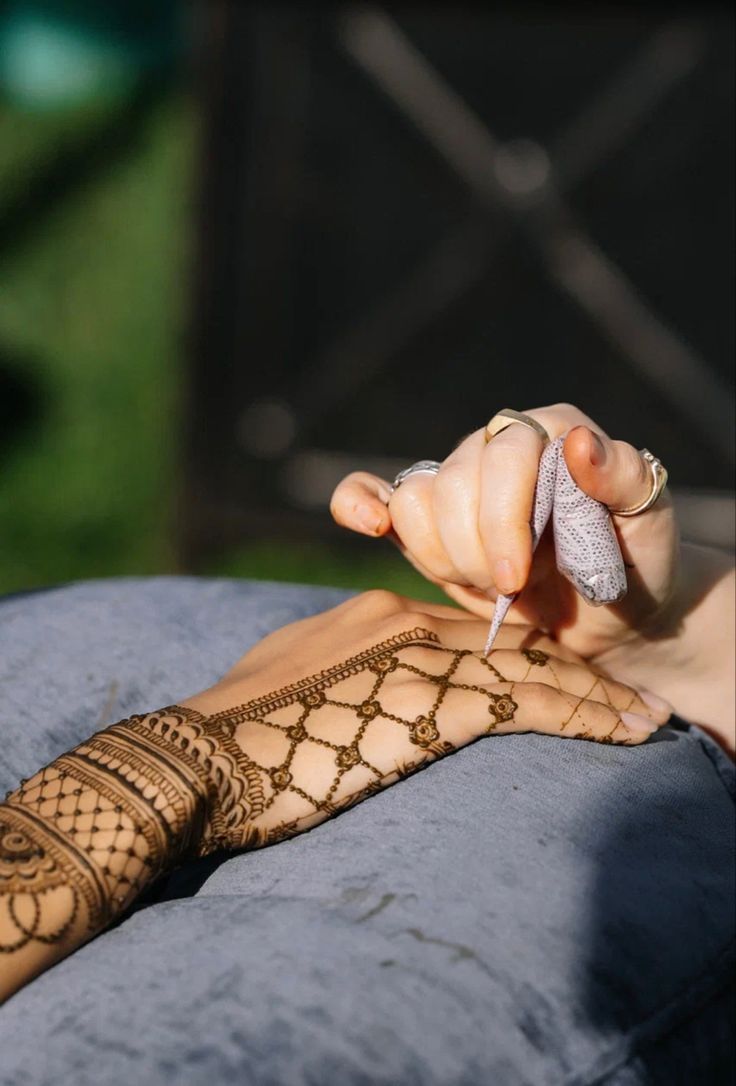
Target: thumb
[[612, 472], [360, 503]]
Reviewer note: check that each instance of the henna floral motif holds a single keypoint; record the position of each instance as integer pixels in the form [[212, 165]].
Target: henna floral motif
[[347, 757], [535, 656], [423, 731], [313, 699], [37, 899], [368, 710], [501, 707], [297, 733], [280, 778]]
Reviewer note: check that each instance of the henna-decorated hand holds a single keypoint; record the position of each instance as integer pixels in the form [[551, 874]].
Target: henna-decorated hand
[[373, 690], [467, 529], [318, 716]]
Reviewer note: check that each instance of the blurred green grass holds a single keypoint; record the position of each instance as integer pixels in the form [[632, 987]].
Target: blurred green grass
[[93, 309], [92, 305]]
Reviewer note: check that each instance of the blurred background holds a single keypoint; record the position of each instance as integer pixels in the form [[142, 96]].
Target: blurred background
[[248, 247]]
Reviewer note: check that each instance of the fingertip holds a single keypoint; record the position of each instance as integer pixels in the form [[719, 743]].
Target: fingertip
[[639, 727], [360, 503], [585, 455], [505, 576], [580, 447], [384, 524], [370, 518], [661, 708]]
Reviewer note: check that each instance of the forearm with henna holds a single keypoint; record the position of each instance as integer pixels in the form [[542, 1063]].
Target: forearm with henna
[[83, 837]]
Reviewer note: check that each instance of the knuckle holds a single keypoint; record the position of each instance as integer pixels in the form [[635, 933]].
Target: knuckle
[[451, 480], [400, 622], [412, 495], [503, 526], [380, 602], [515, 451], [405, 496], [504, 516], [503, 450], [641, 469], [632, 462], [541, 697], [430, 623]]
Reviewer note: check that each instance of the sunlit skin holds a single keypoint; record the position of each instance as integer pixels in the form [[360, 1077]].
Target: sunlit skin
[[317, 717], [467, 530]]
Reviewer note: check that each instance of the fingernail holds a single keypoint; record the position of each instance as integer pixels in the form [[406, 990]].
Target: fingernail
[[654, 702], [636, 723], [504, 576], [597, 451], [368, 520]]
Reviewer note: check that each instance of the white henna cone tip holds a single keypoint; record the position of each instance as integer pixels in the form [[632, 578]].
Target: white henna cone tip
[[501, 610]]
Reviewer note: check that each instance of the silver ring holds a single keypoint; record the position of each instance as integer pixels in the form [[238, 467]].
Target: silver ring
[[658, 475], [422, 467]]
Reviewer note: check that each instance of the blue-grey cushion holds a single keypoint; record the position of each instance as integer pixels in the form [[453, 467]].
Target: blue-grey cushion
[[530, 910]]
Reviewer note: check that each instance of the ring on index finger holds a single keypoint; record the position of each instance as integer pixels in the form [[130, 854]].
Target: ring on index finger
[[507, 417], [422, 467]]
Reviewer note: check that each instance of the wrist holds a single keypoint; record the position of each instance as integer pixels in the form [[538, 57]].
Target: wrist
[[686, 653]]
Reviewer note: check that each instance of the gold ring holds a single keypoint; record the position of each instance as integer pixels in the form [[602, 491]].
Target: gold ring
[[507, 417], [659, 481]]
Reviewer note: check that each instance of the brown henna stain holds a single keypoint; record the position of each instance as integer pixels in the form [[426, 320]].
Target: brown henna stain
[[382, 904], [461, 951]]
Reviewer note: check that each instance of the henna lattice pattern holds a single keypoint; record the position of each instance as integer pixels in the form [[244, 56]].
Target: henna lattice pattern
[[85, 834], [303, 716]]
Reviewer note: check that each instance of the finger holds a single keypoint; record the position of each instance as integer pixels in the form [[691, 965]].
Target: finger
[[455, 504], [612, 472], [561, 713], [477, 602], [469, 633], [558, 418], [510, 708], [412, 514], [538, 666], [509, 474], [360, 503]]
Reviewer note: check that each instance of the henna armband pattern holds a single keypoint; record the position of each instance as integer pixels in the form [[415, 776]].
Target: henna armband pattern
[[87, 833]]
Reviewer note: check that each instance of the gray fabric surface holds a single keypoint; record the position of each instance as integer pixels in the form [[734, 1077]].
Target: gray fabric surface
[[527, 911]]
